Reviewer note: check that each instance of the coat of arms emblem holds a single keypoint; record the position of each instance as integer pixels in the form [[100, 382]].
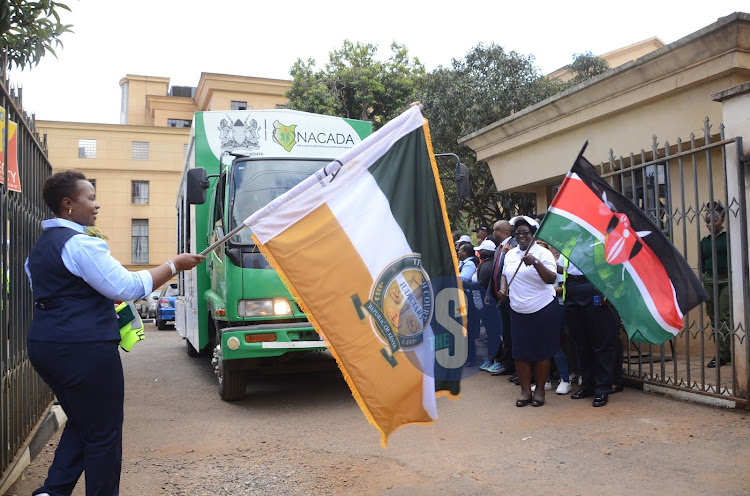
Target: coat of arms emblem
[[400, 305]]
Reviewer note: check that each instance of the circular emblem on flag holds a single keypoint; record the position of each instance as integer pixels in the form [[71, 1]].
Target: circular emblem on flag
[[403, 294]]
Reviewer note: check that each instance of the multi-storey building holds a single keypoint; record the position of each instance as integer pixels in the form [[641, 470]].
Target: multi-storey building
[[136, 165]]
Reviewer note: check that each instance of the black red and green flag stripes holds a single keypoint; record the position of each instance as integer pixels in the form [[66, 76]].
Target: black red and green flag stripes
[[623, 253]]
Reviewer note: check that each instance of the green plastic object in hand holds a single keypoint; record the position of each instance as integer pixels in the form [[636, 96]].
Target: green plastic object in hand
[[133, 329]]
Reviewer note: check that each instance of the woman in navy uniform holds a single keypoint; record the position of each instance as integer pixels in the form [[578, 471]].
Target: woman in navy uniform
[[73, 337]]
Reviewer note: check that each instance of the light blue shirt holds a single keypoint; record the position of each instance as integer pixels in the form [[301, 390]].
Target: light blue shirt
[[467, 269], [89, 258]]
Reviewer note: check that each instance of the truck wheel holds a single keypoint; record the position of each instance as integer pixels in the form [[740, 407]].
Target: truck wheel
[[191, 351], [232, 382]]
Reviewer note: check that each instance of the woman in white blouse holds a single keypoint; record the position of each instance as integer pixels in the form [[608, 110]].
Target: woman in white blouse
[[529, 274]]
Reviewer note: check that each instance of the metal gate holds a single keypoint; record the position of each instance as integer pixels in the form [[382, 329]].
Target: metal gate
[[24, 397], [679, 186]]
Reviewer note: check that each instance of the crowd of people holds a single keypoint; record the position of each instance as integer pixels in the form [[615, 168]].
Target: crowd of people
[[537, 308]]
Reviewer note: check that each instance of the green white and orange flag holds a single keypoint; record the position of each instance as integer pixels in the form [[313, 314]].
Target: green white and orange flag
[[623, 253], [364, 245]]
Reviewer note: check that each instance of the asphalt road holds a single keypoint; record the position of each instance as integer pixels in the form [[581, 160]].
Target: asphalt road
[[304, 434]]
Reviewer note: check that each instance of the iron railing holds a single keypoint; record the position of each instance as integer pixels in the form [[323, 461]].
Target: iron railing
[[676, 185], [24, 397]]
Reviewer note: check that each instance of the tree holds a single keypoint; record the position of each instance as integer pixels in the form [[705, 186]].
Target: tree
[[354, 84], [585, 66], [488, 85], [28, 30]]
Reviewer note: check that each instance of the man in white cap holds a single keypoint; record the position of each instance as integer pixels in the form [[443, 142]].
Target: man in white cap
[[475, 296], [465, 238]]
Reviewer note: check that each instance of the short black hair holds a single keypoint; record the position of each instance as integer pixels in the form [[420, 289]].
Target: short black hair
[[60, 185], [715, 207], [466, 246]]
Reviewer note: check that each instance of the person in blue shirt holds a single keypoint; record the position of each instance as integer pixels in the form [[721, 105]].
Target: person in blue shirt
[[467, 267], [466, 264], [73, 337]]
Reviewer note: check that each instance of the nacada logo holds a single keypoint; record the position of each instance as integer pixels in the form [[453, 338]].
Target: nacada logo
[[288, 136]]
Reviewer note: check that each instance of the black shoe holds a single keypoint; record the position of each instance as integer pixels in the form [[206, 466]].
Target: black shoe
[[712, 363], [582, 393], [536, 402], [618, 389], [522, 402], [513, 378], [600, 400]]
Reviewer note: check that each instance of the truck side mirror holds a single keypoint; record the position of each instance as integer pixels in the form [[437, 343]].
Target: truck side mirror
[[197, 184], [462, 181]]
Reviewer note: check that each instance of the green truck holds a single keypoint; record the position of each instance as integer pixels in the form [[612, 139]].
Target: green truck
[[234, 306]]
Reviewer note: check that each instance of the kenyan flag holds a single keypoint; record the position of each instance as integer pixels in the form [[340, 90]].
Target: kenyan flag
[[623, 253]]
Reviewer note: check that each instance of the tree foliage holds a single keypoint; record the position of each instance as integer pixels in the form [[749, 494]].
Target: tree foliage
[[355, 84], [29, 30], [587, 65], [486, 86]]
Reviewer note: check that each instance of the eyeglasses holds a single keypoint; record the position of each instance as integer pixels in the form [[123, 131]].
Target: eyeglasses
[[520, 234]]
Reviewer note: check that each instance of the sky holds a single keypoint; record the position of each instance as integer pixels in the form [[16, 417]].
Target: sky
[[179, 39]]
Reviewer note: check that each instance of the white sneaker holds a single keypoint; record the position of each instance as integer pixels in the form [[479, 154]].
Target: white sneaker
[[547, 387], [563, 388]]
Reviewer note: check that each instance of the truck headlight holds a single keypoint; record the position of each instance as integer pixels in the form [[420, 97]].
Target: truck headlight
[[263, 308]]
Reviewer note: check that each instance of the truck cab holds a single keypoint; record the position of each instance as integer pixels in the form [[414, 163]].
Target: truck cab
[[235, 307]]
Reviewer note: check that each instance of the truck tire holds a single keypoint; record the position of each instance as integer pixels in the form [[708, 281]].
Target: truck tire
[[232, 382]]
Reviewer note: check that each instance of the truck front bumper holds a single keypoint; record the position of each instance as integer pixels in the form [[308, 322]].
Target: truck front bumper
[[268, 340]]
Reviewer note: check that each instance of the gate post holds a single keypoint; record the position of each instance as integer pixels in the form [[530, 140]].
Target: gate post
[[735, 103]]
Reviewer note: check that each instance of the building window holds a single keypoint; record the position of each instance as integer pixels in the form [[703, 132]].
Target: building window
[[179, 122], [86, 148], [139, 241], [140, 150], [139, 191], [240, 106], [281, 106]]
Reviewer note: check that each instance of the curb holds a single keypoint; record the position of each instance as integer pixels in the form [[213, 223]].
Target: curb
[[53, 422]]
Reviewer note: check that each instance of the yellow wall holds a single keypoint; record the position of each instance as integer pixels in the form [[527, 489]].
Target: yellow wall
[[138, 88], [222, 100], [114, 169]]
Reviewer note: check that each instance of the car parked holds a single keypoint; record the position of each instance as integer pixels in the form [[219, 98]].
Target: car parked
[[165, 309], [146, 306]]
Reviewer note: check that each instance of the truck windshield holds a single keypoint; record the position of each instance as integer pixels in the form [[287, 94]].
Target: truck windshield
[[256, 182]]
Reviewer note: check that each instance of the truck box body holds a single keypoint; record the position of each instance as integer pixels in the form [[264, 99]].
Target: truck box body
[[234, 304]]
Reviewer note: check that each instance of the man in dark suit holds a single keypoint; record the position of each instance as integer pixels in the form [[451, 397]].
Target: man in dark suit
[[502, 232]]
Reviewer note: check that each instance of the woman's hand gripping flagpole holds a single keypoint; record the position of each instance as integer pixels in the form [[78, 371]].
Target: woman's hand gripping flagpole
[[223, 240], [504, 290]]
